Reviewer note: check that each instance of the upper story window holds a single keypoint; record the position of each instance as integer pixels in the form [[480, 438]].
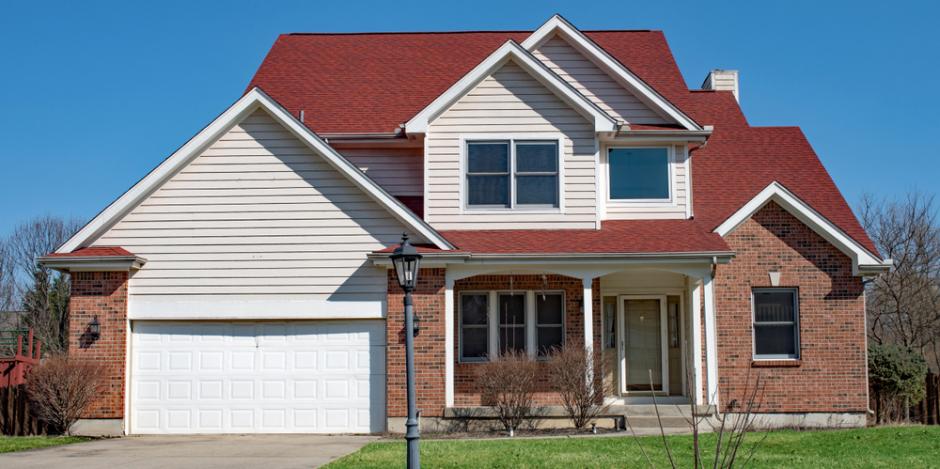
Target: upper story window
[[639, 174], [776, 323], [512, 174]]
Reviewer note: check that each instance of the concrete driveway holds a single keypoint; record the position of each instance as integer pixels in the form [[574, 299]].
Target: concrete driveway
[[202, 451]]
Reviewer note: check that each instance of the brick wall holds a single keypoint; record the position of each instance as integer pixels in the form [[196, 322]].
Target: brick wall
[[830, 375], [466, 392], [101, 294], [428, 301]]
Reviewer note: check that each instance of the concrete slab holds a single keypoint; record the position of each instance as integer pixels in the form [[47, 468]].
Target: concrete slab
[[203, 451]]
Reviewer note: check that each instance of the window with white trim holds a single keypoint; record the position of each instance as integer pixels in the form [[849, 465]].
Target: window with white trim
[[474, 327], [776, 323], [549, 323], [531, 322], [512, 324], [637, 174], [512, 174]]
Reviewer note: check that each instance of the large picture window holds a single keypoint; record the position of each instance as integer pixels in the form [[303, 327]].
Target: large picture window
[[512, 173], [776, 323], [498, 322], [637, 174]]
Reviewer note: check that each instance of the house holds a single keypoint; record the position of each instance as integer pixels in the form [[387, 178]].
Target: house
[[565, 187]]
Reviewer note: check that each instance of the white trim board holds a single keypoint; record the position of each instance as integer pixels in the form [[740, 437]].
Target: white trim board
[[247, 104], [558, 25], [863, 261], [521, 57], [248, 307]]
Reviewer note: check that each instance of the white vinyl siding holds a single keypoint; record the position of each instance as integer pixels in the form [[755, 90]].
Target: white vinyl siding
[[397, 170], [257, 213], [510, 103], [595, 84], [679, 190]]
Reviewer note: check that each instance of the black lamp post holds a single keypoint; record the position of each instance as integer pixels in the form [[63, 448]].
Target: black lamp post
[[407, 262]]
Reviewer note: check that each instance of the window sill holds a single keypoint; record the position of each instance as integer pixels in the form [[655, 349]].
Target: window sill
[[776, 363]]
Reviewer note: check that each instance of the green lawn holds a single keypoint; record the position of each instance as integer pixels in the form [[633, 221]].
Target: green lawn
[[904, 447], [20, 443]]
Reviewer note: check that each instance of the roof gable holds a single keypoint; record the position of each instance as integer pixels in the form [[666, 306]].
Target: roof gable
[[558, 26], [244, 107], [511, 52], [863, 261]]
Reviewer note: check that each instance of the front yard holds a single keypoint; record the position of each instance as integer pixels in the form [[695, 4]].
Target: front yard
[[19, 443], [908, 447]]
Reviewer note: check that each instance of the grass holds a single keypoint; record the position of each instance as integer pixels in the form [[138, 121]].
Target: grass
[[907, 447], [20, 443]]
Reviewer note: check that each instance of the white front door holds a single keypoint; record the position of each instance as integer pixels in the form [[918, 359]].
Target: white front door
[[257, 377], [643, 352]]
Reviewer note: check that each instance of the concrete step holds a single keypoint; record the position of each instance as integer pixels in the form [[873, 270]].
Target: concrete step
[[653, 422]]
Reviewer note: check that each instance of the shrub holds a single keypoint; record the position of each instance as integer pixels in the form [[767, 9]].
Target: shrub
[[896, 375], [61, 388], [581, 400], [508, 384]]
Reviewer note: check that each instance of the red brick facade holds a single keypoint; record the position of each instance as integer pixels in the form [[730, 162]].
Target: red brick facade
[[831, 373], [102, 295], [429, 345]]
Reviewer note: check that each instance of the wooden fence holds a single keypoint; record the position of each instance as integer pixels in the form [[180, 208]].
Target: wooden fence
[[15, 416]]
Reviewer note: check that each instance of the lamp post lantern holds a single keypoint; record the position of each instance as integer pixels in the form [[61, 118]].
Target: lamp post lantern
[[407, 263]]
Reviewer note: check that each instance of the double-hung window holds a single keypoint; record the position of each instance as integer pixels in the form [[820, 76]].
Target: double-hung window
[[549, 318], [639, 174], [512, 326], [512, 174], [776, 323], [474, 327]]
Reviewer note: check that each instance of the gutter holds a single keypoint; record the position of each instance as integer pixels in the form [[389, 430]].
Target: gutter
[[717, 257], [92, 263]]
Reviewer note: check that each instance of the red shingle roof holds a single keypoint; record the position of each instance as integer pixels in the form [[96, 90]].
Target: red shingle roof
[[372, 83], [95, 251]]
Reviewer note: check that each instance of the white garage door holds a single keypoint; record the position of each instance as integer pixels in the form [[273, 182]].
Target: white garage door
[[270, 377]]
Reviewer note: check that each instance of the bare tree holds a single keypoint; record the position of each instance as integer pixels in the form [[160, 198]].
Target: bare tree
[[904, 304], [7, 284], [582, 400], [508, 384], [61, 388], [41, 292]]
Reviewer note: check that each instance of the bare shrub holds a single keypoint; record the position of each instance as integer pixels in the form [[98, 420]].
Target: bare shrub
[[582, 400], [508, 384], [61, 388]]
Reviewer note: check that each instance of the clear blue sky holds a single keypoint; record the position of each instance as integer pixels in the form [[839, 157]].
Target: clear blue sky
[[95, 94]]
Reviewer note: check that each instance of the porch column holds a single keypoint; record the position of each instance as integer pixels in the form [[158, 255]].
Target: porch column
[[711, 340], [448, 341], [588, 302], [695, 294]]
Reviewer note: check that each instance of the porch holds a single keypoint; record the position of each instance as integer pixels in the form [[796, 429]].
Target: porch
[[637, 315]]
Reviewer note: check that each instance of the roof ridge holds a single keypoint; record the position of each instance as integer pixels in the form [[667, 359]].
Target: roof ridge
[[469, 31]]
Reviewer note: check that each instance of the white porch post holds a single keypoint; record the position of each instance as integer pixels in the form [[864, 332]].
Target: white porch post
[[448, 341], [711, 340], [588, 301], [695, 287]]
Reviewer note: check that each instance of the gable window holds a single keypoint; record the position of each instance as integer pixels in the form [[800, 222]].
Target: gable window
[[474, 331], [776, 323], [512, 329], [549, 318], [512, 174], [639, 174]]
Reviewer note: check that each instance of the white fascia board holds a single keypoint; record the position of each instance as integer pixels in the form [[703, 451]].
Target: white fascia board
[[862, 259], [93, 263], [249, 307], [558, 25], [511, 51], [247, 104]]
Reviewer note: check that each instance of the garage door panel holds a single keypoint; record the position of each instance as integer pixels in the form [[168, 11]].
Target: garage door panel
[[311, 377]]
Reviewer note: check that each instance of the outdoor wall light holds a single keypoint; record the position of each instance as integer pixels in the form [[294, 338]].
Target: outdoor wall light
[[94, 328]]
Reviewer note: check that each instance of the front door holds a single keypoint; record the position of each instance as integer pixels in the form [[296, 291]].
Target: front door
[[643, 344]]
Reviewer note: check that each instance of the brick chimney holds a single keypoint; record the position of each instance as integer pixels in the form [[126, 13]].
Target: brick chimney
[[723, 80]]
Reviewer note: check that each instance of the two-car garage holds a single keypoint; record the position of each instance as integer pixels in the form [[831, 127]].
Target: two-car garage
[[257, 377]]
